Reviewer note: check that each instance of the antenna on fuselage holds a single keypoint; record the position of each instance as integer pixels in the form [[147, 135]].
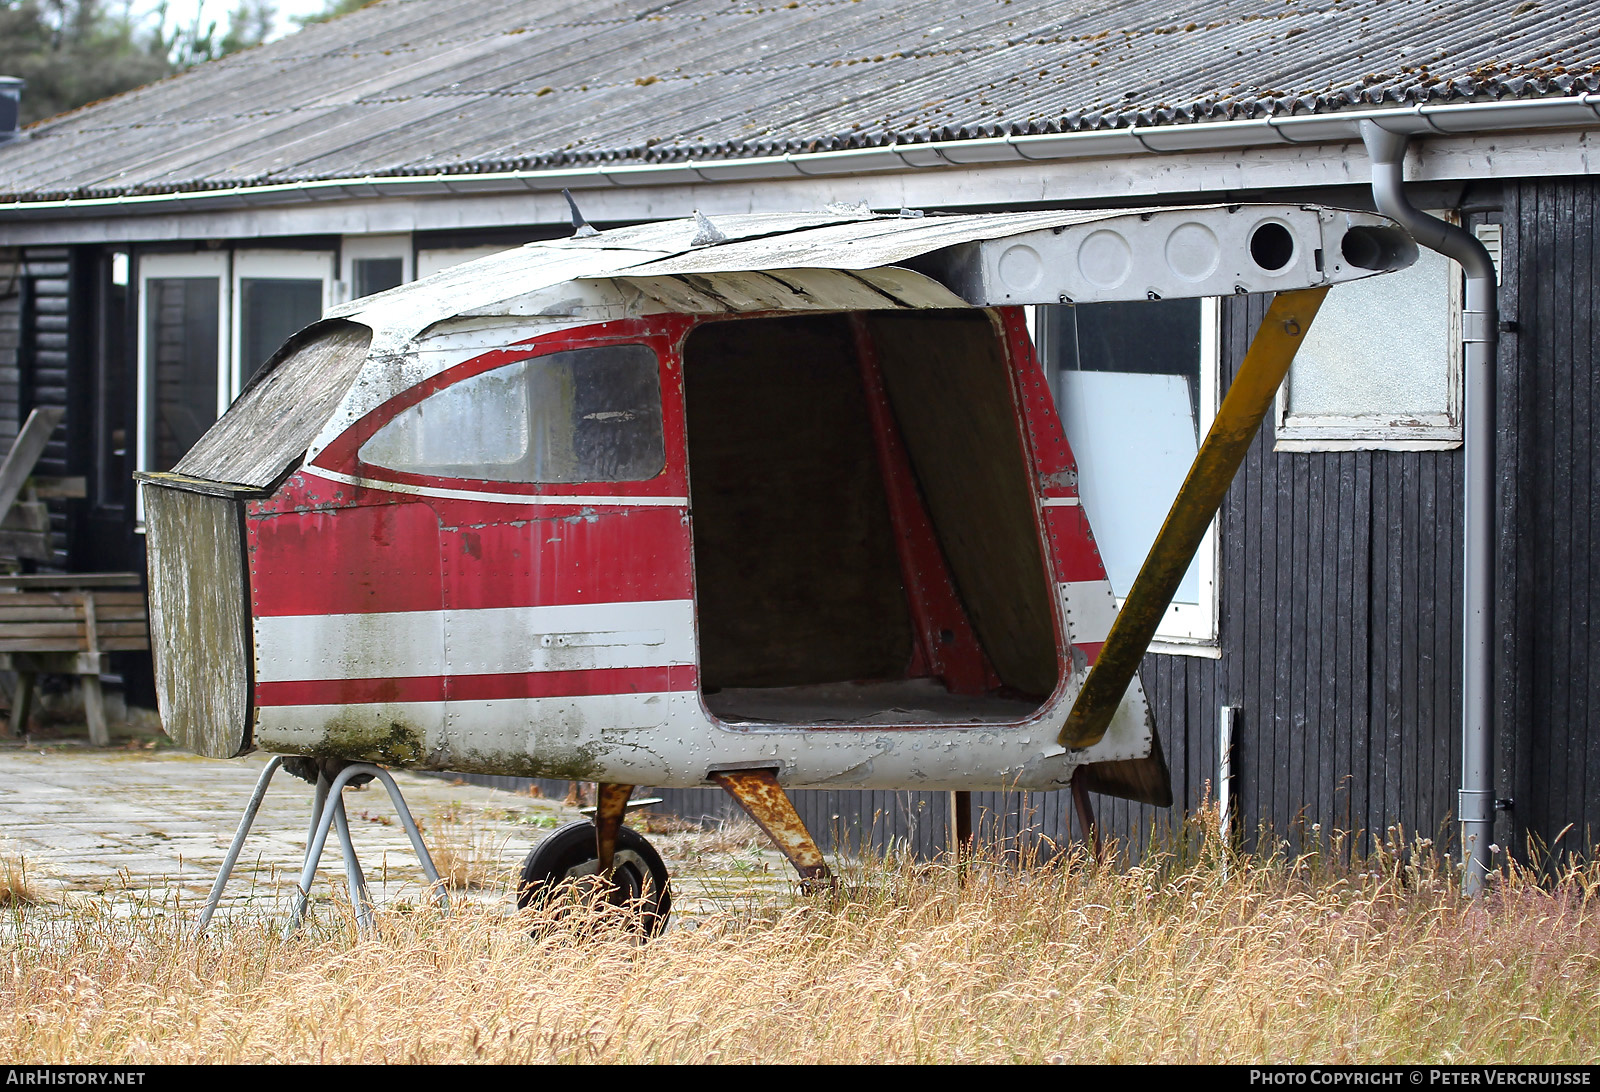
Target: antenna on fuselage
[[581, 228], [705, 232]]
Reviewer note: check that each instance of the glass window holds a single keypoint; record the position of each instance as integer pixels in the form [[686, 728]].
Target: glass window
[[1135, 385], [182, 385], [278, 293], [374, 275], [586, 415], [372, 264], [182, 319], [113, 379], [271, 310], [207, 321], [1380, 366]]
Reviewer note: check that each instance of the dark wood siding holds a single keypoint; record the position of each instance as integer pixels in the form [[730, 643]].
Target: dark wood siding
[[846, 820], [38, 342], [1341, 593], [1340, 623], [11, 289], [1549, 697]]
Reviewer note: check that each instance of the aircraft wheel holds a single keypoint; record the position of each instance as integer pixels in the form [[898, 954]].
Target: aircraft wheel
[[566, 859]]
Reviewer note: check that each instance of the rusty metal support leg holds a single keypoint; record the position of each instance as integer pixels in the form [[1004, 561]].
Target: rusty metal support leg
[[611, 804], [1087, 827], [1238, 418], [961, 828], [764, 800]]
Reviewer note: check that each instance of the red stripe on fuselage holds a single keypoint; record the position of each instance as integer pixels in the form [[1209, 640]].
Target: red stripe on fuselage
[[436, 554], [1072, 545], [531, 684]]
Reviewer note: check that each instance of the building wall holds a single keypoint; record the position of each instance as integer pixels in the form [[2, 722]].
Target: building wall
[[1341, 593], [11, 290], [1340, 623]]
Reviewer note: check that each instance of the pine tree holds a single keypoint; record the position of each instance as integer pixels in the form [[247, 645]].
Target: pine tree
[[73, 52]]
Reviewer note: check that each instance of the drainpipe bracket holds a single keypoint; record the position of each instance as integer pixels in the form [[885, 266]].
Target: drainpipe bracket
[[1475, 805], [1477, 326]]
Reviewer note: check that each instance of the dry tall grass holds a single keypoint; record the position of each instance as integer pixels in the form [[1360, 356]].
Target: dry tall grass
[[466, 855], [1208, 959], [16, 889]]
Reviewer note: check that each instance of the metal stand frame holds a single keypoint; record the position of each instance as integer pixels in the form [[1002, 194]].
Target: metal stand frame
[[326, 816]]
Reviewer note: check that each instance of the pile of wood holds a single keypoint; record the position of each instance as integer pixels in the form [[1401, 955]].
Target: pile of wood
[[57, 623]]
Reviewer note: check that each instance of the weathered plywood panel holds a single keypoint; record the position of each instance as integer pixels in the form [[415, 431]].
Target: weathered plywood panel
[[198, 619], [273, 422]]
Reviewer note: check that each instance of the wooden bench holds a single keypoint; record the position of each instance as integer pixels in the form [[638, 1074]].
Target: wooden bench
[[65, 624]]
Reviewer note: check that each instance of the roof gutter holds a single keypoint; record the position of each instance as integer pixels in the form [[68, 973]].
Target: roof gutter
[[1449, 119]]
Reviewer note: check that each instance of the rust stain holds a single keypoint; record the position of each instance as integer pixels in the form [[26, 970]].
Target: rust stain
[[610, 805], [764, 800]]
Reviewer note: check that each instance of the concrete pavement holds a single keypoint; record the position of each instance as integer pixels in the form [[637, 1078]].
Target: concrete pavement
[[146, 829]]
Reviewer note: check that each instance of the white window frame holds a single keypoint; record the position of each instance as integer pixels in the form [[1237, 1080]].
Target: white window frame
[[211, 263], [1398, 431], [1189, 629], [298, 265], [354, 248]]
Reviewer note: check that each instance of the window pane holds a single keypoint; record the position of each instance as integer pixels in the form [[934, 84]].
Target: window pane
[[376, 275], [588, 415], [181, 332], [1127, 389], [1379, 347], [271, 310]]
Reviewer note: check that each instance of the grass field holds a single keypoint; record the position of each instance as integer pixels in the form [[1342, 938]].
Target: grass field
[[1205, 958]]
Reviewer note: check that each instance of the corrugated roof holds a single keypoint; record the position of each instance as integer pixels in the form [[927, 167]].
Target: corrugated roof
[[407, 87]]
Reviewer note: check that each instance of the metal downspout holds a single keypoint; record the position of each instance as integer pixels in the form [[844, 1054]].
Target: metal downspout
[[1480, 326]]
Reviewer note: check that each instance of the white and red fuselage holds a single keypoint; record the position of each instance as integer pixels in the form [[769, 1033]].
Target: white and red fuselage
[[311, 597]]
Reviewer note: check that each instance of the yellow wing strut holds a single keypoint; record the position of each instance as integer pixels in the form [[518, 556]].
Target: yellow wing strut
[[1249, 397]]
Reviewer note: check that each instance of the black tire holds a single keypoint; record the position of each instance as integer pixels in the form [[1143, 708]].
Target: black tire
[[568, 855]]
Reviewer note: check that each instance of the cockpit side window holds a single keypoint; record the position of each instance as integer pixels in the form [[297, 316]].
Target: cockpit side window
[[584, 415]]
